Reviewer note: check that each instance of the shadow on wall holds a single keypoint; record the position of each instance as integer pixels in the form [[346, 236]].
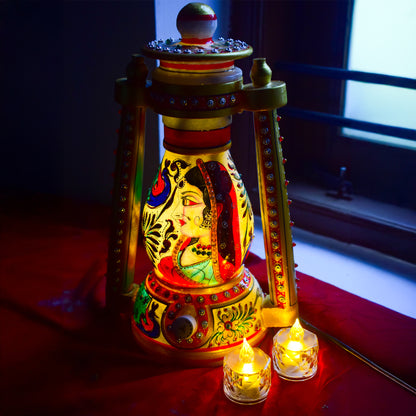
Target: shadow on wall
[[58, 117]]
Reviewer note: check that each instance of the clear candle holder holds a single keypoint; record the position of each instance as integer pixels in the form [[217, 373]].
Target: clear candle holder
[[295, 353], [247, 375]]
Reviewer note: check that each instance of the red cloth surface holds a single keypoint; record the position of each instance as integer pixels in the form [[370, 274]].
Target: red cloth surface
[[61, 354]]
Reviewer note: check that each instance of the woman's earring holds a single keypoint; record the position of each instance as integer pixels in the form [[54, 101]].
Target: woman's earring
[[207, 223]]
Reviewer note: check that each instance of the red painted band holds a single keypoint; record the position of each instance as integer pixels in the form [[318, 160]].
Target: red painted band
[[196, 41], [197, 139], [174, 65], [192, 17]]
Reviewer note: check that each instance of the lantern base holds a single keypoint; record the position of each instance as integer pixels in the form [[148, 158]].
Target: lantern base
[[192, 358], [197, 326]]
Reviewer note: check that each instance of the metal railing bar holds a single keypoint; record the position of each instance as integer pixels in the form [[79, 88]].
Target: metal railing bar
[[345, 74], [335, 120]]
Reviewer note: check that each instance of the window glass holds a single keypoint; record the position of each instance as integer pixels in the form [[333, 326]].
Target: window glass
[[382, 41]]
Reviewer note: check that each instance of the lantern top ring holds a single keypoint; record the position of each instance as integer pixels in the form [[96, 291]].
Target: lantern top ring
[[196, 23]]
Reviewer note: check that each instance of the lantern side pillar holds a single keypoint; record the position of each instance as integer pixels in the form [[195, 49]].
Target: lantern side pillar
[[263, 97], [127, 192]]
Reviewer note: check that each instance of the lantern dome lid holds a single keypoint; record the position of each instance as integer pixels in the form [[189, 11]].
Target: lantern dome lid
[[196, 22]]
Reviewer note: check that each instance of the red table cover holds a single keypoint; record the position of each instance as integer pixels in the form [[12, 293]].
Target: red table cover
[[61, 354]]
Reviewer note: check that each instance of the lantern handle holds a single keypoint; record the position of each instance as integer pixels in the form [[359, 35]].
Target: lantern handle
[[263, 97], [128, 183]]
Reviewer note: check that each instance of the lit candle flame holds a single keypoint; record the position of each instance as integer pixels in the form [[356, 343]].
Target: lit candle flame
[[295, 339], [296, 332], [246, 353]]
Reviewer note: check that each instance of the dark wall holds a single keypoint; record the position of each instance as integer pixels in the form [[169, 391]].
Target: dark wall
[[59, 61]]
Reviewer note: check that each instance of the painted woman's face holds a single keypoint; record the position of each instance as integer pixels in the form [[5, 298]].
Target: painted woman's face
[[189, 212]]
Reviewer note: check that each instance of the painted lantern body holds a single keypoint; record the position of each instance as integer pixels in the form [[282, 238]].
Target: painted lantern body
[[197, 222], [199, 301], [197, 229]]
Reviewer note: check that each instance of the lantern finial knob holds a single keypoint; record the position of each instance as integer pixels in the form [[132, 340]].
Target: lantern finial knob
[[260, 73], [196, 23]]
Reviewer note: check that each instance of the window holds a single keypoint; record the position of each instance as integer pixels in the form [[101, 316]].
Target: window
[[382, 41], [307, 45]]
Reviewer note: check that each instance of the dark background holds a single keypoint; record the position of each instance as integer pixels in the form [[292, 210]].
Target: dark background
[[59, 61]]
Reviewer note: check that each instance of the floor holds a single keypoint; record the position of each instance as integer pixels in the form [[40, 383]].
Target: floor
[[384, 280]]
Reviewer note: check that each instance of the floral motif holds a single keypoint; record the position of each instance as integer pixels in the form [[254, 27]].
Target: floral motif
[[234, 323]]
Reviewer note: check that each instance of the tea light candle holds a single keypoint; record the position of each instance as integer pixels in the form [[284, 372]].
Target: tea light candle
[[247, 375], [295, 353]]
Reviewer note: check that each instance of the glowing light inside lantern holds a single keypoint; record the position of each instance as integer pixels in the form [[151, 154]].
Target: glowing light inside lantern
[[247, 375], [295, 353]]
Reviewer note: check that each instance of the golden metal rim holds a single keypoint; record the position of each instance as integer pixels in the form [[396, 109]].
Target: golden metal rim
[[196, 124], [221, 57], [197, 114], [199, 88], [196, 151]]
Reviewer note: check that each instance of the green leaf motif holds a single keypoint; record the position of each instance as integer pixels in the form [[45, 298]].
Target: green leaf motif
[[234, 323], [152, 236]]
